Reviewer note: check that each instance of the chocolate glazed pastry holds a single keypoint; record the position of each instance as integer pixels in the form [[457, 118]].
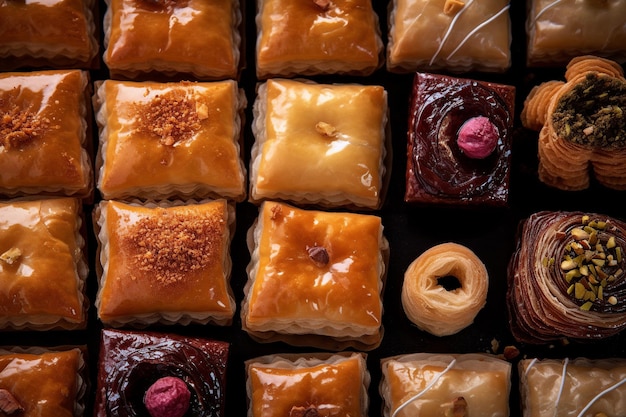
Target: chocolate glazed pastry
[[130, 362], [438, 170], [567, 279]]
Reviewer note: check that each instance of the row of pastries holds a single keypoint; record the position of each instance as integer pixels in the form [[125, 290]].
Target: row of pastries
[[164, 202]]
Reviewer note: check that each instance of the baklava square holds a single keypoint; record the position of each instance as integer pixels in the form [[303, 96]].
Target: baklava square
[[459, 142], [166, 262], [57, 34], [173, 38], [312, 37], [449, 35], [43, 266], [41, 381], [324, 144], [315, 278], [174, 139], [308, 384], [149, 373], [43, 133], [559, 31]]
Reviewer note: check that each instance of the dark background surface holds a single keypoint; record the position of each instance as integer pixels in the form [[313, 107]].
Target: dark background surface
[[490, 233]]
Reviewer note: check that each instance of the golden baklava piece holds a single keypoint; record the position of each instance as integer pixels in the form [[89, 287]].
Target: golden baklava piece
[[315, 278], [43, 133], [175, 139], [42, 265], [320, 144], [198, 38], [165, 263], [57, 34]]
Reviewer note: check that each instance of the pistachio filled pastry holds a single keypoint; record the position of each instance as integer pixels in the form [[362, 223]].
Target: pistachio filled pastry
[[567, 279], [581, 124]]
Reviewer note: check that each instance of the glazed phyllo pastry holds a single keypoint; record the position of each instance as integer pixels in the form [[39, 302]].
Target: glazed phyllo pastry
[[560, 30], [449, 35], [459, 141], [42, 265], [172, 38], [57, 34], [38, 381], [323, 144], [165, 140], [299, 385], [566, 277], [576, 387], [160, 375], [43, 131], [315, 278], [310, 37], [166, 262], [442, 385]]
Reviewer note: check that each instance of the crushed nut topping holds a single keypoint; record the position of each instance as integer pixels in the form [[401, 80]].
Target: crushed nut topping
[[19, 127], [172, 117], [276, 212], [457, 408], [11, 256], [318, 255], [310, 411], [8, 403], [325, 129], [452, 7], [170, 245], [510, 352]]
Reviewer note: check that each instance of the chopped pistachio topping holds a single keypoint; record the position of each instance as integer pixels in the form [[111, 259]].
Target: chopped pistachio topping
[[11, 256]]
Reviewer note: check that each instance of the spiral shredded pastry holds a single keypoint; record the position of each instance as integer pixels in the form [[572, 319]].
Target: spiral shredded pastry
[[566, 277]]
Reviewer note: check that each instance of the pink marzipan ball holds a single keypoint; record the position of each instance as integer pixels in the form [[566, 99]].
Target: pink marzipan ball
[[167, 397], [478, 137]]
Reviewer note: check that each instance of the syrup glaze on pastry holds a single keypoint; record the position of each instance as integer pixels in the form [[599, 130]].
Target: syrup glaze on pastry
[[130, 362], [438, 171], [567, 277]]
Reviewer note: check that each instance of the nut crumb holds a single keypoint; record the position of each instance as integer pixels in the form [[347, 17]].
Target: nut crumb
[[276, 212], [11, 255], [456, 408], [510, 352], [452, 7], [325, 129], [322, 4], [8, 403], [19, 127], [310, 411], [318, 255]]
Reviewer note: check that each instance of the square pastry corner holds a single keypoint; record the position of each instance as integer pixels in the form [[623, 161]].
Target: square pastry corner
[[459, 141], [43, 133], [143, 154], [308, 384], [44, 381], [315, 278], [43, 265], [171, 38], [449, 35], [135, 368], [320, 144], [312, 37], [166, 263]]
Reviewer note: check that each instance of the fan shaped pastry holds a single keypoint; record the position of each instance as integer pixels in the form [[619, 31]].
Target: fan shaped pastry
[[561, 30], [581, 127], [164, 263], [313, 37], [43, 266], [131, 362], [168, 140], [459, 141], [42, 381], [57, 34], [308, 385], [323, 144], [577, 387], [435, 385], [444, 308], [566, 277], [315, 278], [173, 39], [450, 35], [43, 133]]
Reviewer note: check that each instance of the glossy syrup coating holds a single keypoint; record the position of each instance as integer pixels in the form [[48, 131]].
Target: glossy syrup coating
[[130, 362]]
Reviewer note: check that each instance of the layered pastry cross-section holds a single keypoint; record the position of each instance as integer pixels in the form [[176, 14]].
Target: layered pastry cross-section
[[166, 140], [150, 373], [164, 263], [567, 278], [459, 141], [315, 278], [43, 265], [43, 133], [324, 144]]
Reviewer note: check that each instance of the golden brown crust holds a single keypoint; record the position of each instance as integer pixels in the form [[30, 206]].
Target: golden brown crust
[[536, 105]]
